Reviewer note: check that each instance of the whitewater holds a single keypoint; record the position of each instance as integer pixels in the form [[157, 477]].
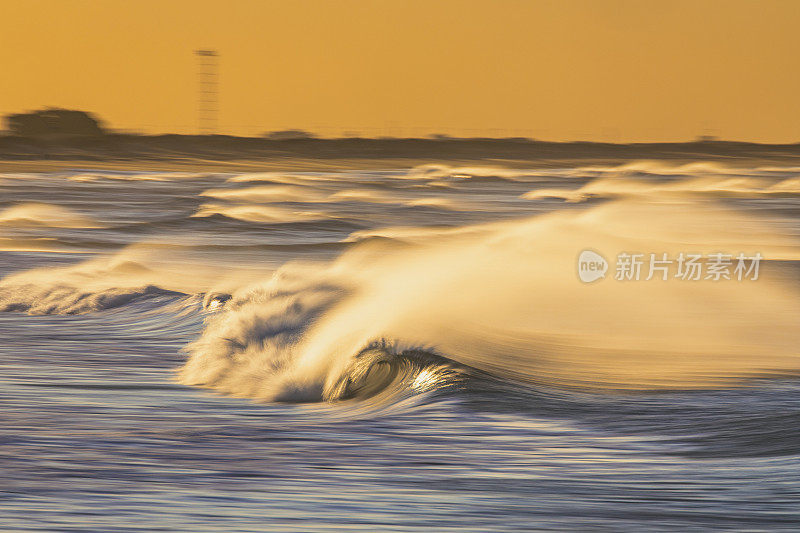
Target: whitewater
[[407, 349]]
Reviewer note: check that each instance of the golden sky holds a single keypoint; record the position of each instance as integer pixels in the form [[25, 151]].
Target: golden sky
[[618, 70]]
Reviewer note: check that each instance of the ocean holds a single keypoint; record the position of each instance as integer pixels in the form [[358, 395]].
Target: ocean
[[407, 349]]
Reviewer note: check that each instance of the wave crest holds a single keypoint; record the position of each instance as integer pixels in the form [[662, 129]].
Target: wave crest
[[47, 215]]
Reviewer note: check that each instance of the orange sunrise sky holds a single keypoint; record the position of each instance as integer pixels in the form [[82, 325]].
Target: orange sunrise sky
[[618, 70]]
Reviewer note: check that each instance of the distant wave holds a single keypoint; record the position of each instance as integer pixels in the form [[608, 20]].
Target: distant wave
[[131, 176], [376, 197], [47, 215], [435, 172], [268, 193], [446, 175], [285, 178], [273, 194], [718, 186], [222, 222], [413, 233], [697, 168], [37, 244], [261, 213]]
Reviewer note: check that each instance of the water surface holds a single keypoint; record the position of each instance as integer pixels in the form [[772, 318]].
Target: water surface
[[403, 350]]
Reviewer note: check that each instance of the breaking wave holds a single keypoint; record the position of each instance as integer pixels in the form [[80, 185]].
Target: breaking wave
[[503, 299]]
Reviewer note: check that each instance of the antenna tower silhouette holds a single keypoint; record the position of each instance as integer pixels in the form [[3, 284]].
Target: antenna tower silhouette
[[208, 90]]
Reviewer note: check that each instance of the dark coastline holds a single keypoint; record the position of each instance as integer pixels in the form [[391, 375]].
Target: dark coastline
[[190, 150]]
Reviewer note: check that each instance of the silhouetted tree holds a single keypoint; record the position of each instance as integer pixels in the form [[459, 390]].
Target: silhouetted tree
[[53, 121]]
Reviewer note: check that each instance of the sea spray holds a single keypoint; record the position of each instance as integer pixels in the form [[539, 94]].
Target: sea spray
[[504, 298]]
